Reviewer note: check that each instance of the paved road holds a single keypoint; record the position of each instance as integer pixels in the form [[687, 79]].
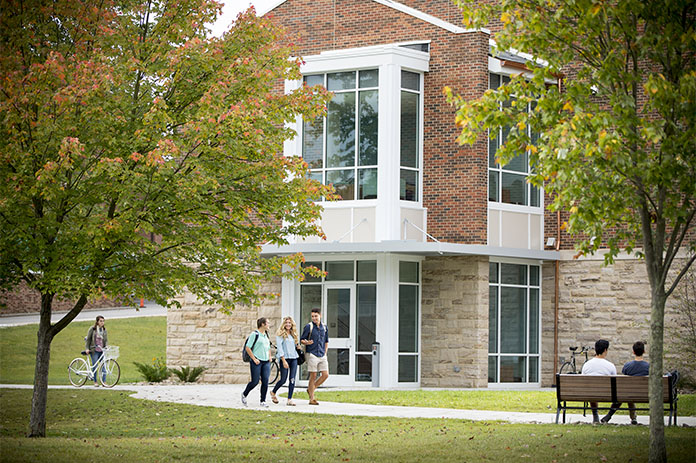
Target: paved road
[[150, 310], [229, 396]]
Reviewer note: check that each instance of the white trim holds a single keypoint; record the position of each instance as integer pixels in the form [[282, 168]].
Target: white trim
[[498, 206], [411, 247], [365, 58], [268, 9]]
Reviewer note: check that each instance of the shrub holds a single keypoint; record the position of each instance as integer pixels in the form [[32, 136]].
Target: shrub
[[189, 374], [155, 373]]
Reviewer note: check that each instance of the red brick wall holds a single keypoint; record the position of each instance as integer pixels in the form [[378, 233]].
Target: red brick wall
[[26, 300], [455, 178]]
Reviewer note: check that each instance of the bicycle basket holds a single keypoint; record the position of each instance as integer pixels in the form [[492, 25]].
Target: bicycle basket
[[111, 352]]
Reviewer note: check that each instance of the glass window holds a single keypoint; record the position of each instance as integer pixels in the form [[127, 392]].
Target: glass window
[[339, 147], [309, 278], [408, 318], [409, 136], [533, 321], [408, 188], [310, 297], [366, 316], [508, 184], [492, 369], [367, 270], [493, 272], [410, 80], [493, 319], [513, 318], [339, 361], [408, 368], [513, 370], [339, 271], [513, 274], [363, 367], [338, 312], [408, 272]]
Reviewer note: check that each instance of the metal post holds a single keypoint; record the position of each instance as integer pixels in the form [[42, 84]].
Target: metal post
[[375, 364]]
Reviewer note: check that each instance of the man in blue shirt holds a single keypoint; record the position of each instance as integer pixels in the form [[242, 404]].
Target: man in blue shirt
[[636, 367], [315, 338]]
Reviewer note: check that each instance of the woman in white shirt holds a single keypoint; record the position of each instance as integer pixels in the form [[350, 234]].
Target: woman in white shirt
[[287, 343]]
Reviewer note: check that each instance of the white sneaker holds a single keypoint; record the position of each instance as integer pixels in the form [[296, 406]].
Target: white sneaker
[[264, 404], [244, 399]]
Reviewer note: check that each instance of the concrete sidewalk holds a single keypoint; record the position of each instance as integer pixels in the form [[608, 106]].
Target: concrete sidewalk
[[229, 396], [150, 310]]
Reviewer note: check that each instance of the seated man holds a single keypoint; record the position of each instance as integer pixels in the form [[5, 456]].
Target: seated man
[[598, 366], [636, 367]]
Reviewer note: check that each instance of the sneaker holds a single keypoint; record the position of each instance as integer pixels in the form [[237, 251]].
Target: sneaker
[[605, 420], [634, 422], [264, 404], [244, 399]]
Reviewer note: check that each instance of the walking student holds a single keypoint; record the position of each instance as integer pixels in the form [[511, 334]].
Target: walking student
[[315, 337], [258, 347], [95, 342], [287, 343]]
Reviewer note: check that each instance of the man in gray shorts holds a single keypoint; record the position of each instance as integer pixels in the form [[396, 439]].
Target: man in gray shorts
[[315, 338]]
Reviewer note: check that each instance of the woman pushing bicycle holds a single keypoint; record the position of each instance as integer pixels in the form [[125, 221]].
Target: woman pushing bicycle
[[95, 342]]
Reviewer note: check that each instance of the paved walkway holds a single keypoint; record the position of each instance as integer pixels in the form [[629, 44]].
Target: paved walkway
[[150, 310], [229, 396]]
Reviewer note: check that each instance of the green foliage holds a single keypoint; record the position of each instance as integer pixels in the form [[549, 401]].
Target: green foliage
[[188, 374], [138, 339], [179, 432], [139, 156], [155, 373]]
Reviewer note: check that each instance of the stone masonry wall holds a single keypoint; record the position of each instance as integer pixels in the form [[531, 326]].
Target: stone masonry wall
[[201, 335], [454, 322], [611, 303]]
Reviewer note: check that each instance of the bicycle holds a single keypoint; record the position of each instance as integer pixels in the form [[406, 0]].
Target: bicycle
[[569, 367], [275, 368], [110, 371]]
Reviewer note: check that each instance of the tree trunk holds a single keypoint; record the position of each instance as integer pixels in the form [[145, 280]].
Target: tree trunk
[[658, 450], [37, 420]]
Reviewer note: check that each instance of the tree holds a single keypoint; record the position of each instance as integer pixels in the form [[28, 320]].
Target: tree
[[616, 146], [140, 157]]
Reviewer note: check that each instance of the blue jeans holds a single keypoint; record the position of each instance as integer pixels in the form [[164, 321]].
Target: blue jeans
[[95, 356], [292, 363], [262, 370]]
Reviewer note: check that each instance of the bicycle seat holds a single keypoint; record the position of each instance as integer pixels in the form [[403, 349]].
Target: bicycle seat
[[573, 348]]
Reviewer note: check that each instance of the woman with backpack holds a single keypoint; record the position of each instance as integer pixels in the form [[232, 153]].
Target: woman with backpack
[[95, 342], [258, 347], [287, 343]]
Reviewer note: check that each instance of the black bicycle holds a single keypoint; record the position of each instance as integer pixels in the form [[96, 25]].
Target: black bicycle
[[569, 367], [275, 368]]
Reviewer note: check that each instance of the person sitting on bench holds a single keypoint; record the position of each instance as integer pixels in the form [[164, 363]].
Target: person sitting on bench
[[636, 367], [599, 366]]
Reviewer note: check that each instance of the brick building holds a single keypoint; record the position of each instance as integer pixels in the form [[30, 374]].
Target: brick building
[[437, 253]]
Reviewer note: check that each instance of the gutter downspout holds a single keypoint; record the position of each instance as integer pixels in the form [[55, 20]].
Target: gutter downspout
[[557, 287]]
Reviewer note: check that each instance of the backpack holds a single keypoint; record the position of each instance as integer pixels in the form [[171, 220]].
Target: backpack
[[245, 354]]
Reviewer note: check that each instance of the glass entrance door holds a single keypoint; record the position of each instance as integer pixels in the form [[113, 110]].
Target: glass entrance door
[[340, 319]]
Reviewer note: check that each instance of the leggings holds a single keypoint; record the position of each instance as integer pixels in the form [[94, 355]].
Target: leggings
[[292, 363]]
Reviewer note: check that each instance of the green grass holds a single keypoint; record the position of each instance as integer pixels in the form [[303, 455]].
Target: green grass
[[513, 401], [106, 426], [139, 339]]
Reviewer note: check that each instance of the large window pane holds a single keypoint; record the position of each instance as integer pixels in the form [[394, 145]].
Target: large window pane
[[338, 312], [493, 319], [366, 314], [313, 143], [341, 81], [310, 297], [408, 272], [339, 361], [513, 274], [343, 181], [311, 81], [408, 368], [408, 318], [513, 315], [340, 135], [514, 189], [533, 321], [409, 129], [519, 163], [368, 128], [369, 78], [367, 184], [408, 188], [410, 80], [339, 271], [513, 370]]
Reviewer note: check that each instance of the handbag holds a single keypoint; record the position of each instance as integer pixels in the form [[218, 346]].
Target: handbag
[[300, 356]]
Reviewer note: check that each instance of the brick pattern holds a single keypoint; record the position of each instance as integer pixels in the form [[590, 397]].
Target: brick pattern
[[26, 300], [201, 335], [454, 322]]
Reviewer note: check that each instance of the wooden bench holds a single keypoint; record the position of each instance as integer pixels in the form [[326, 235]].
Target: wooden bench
[[614, 389]]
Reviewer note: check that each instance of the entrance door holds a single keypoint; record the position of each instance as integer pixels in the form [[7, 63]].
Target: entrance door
[[339, 316]]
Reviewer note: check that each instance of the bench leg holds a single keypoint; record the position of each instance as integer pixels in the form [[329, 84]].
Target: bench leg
[[558, 411]]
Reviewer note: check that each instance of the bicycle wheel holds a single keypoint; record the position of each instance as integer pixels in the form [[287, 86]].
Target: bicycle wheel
[[275, 371], [112, 375], [567, 369], [78, 371]]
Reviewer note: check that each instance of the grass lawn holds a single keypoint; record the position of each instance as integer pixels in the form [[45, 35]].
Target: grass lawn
[[513, 401], [139, 339], [106, 426]]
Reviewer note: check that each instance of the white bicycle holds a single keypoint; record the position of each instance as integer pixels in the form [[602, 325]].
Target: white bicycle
[[107, 368]]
